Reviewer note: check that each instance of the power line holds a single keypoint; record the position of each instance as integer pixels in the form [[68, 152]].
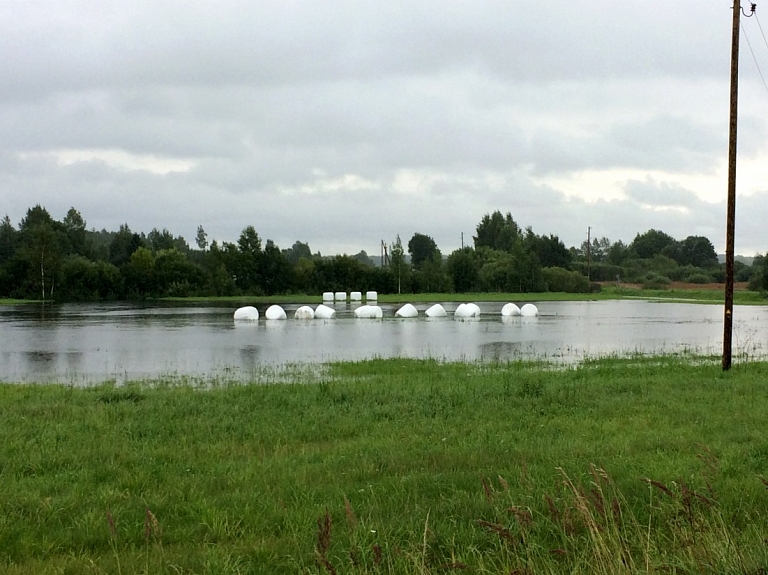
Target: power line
[[761, 30], [759, 71]]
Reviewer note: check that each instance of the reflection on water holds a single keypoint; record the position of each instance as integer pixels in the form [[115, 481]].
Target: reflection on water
[[91, 343]]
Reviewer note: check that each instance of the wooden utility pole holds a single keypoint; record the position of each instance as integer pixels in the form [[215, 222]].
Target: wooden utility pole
[[730, 227]]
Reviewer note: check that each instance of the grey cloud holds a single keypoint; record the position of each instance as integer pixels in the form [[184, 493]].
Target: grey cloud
[[85, 45], [352, 219], [670, 143], [660, 194], [265, 97]]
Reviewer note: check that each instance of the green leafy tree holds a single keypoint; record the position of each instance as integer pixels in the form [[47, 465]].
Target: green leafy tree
[[297, 251], [398, 265], [463, 270], [249, 250], [85, 280], [229, 256], [343, 273], [303, 274], [497, 232], [432, 276], [696, 251], [650, 243], [221, 282], [74, 228], [160, 240], [140, 274], [363, 257], [42, 243], [175, 275], [7, 239], [35, 216], [758, 280], [562, 280], [422, 248], [109, 283], [201, 239], [598, 249], [497, 270], [124, 243], [552, 252], [275, 270], [617, 253]]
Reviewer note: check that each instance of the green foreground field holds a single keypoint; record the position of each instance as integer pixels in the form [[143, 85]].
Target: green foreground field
[[640, 465]]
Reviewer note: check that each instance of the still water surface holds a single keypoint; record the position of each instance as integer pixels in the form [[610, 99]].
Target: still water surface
[[96, 342]]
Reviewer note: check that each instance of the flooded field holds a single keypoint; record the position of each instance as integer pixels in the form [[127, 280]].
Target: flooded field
[[89, 343]]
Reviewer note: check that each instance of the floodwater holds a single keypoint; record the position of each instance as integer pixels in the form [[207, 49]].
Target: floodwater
[[91, 343]]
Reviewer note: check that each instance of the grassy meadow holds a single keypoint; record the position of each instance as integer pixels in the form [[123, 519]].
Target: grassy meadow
[[638, 465], [609, 292]]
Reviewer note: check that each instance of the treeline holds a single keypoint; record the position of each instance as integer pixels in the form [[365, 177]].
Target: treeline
[[44, 258]]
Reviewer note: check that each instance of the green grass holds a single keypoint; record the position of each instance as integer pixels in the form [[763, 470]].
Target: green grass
[[413, 298], [10, 301], [489, 296], [741, 297], [394, 466]]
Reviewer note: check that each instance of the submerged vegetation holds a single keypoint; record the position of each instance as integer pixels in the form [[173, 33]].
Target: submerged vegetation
[[639, 465], [52, 260]]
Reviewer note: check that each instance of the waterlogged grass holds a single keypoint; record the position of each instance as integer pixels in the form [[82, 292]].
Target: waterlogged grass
[[640, 465], [741, 297], [488, 296], [243, 300], [403, 298]]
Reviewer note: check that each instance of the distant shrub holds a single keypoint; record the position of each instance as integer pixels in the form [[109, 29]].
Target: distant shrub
[[685, 273], [744, 274], [718, 275], [699, 278], [655, 281], [562, 280], [595, 287], [756, 282], [599, 271]]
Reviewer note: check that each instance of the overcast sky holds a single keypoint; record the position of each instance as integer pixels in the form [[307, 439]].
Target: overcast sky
[[342, 123]]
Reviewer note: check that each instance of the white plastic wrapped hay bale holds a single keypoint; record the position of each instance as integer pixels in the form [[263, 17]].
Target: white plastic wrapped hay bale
[[436, 311], [371, 296], [247, 313], [369, 312], [467, 310], [529, 310], [462, 311], [510, 309], [355, 296], [275, 312], [327, 296], [408, 310], [340, 296], [304, 312], [324, 312]]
